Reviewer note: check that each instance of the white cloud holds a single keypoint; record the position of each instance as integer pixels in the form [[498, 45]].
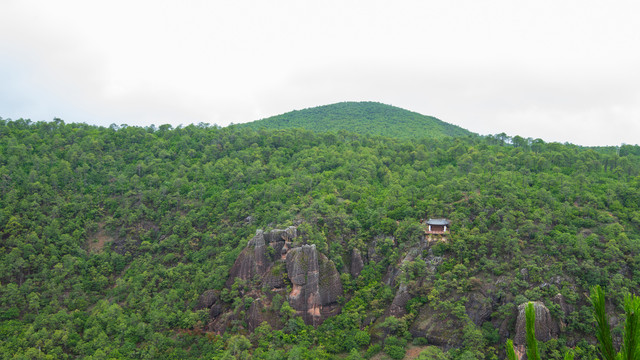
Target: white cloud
[[540, 69]]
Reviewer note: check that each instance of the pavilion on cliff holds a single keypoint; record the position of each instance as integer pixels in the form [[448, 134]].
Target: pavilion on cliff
[[437, 226]]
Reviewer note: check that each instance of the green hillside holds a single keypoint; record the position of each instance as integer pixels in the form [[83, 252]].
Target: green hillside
[[369, 118], [119, 242]]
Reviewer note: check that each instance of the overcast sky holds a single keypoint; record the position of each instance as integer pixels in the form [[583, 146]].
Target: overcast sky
[[566, 71]]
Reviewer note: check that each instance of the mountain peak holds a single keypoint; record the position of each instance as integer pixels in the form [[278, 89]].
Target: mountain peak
[[367, 117]]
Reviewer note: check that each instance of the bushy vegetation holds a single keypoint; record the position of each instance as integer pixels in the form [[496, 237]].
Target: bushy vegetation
[[369, 118], [109, 235]]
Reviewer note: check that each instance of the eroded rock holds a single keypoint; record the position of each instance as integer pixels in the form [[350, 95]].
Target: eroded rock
[[254, 315], [207, 299], [261, 253], [270, 260], [356, 263], [399, 303], [546, 327], [315, 284], [478, 308], [429, 324]]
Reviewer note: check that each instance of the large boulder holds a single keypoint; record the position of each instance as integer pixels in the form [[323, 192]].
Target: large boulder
[[546, 327]]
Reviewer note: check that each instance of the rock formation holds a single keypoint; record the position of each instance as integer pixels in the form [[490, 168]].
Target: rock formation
[[546, 328], [398, 306], [316, 284], [266, 265], [261, 252], [430, 325], [478, 308], [254, 315], [356, 263], [207, 299]]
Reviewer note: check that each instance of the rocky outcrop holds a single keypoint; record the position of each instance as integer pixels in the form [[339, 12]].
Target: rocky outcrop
[[430, 325], [261, 252], [266, 266], [389, 278], [254, 315], [564, 306], [398, 306], [315, 284], [207, 299], [215, 311], [546, 328], [478, 308], [356, 263], [330, 285]]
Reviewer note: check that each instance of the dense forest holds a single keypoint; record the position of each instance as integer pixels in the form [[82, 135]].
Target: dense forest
[[109, 237], [367, 118]]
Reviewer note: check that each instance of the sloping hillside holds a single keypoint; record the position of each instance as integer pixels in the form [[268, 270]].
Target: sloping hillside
[[368, 118], [160, 243]]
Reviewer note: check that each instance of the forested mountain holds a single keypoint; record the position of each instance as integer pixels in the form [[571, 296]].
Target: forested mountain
[[369, 118], [120, 242]]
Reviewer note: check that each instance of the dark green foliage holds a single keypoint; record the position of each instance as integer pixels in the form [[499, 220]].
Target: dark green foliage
[[394, 347], [109, 235], [532, 344], [631, 339], [511, 355], [631, 336], [603, 333], [368, 118]]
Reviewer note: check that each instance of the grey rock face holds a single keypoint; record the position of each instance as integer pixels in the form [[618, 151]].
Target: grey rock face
[[478, 308], [356, 263], [252, 260], [254, 315], [215, 311], [261, 253], [265, 264], [546, 328], [207, 299], [430, 325], [400, 301], [315, 282], [564, 306]]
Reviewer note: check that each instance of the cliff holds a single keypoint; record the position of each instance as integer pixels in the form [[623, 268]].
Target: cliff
[[271, 265]]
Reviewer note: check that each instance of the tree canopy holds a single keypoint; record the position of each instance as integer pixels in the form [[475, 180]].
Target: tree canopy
[[110, 235]]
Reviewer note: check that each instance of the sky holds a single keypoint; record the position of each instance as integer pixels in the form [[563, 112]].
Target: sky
[[565, 71]]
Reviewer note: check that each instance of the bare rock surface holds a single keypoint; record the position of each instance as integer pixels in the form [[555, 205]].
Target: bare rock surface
[[254, 315], [478, 308], [356, 263], [399, 303], [266, 265], [564, 306], [445, 333], [261, 253], [546, 327], [315, 284], [207, 299]]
